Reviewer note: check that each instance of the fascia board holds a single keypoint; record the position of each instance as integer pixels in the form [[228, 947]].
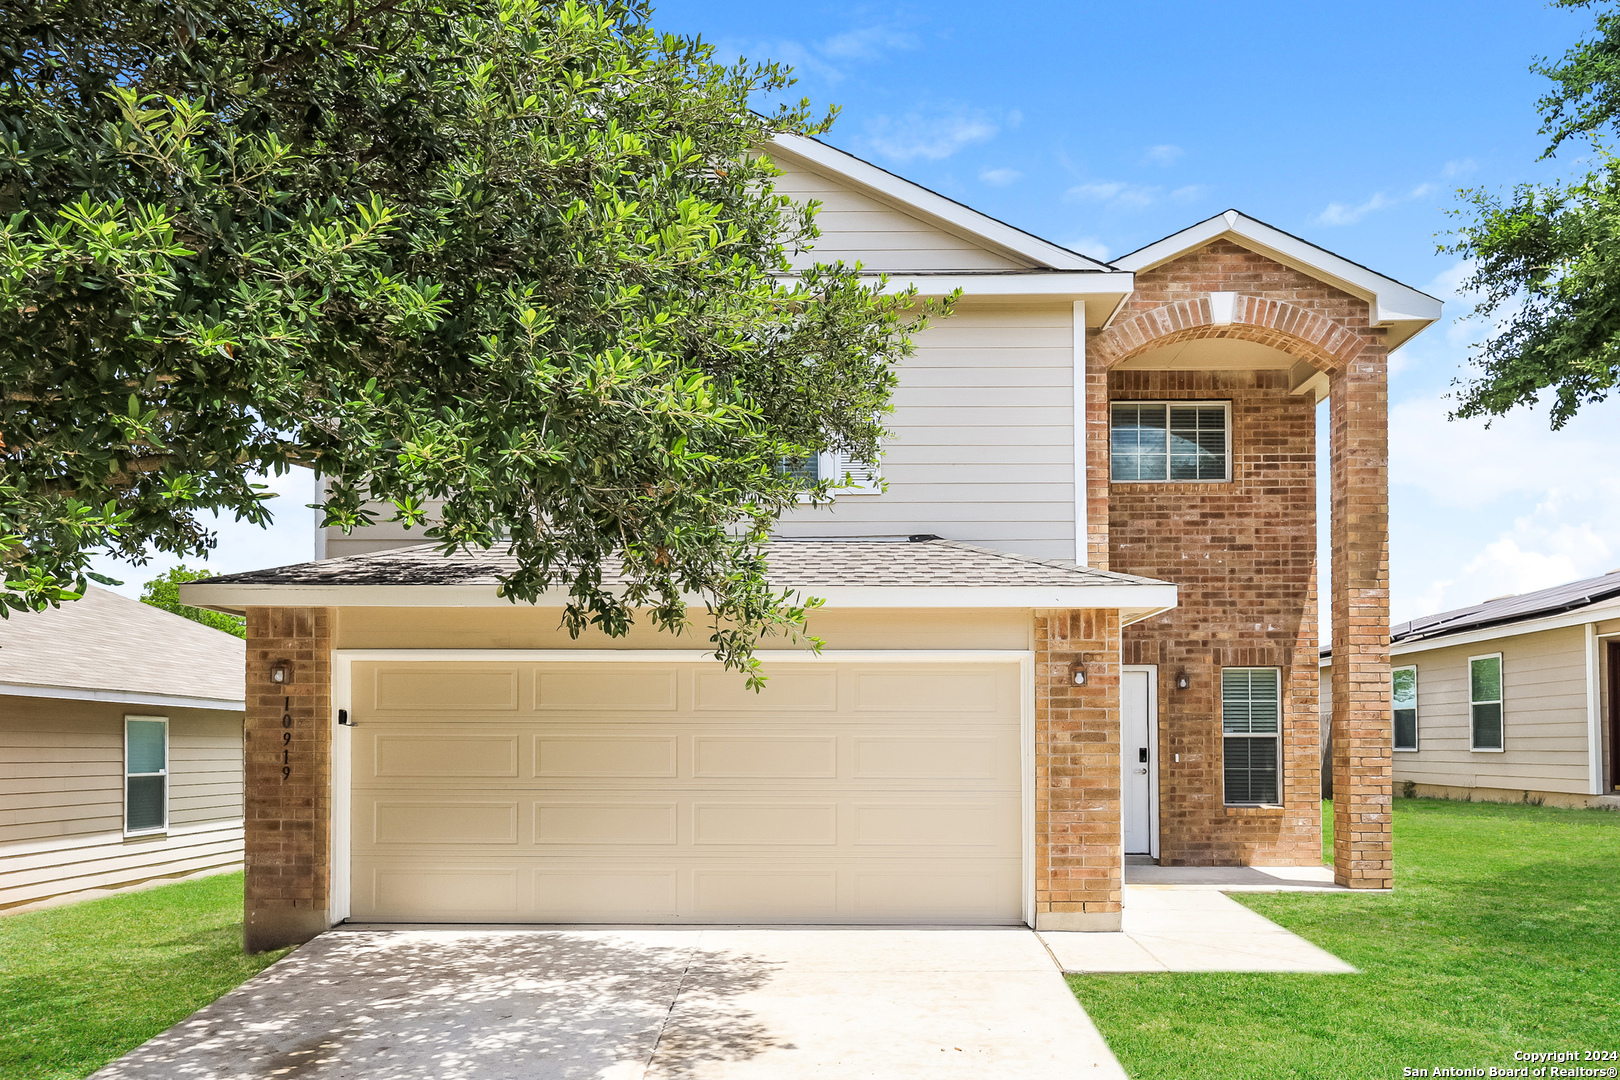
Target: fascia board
[[1392, 302], [1580, 617], [120, 697], [946, 212], [1136, 599], [1067, 286]]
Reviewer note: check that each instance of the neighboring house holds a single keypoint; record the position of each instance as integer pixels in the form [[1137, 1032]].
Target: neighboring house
[[120, 750], [1000, 716], [1510, 700]]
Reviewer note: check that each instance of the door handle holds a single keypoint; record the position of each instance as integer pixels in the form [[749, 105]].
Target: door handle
[[1144, 771]]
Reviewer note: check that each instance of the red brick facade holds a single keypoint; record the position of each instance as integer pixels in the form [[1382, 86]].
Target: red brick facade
[[288, 777], [1079, 864]]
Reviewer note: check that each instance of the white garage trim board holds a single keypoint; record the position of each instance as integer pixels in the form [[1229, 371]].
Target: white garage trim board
[[344, 902]]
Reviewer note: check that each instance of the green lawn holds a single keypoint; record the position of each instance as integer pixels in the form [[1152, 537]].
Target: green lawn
[[1502, 934], [81, 985]]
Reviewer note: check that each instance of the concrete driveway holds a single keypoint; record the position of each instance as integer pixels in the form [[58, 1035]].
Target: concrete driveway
[[389, 1003]]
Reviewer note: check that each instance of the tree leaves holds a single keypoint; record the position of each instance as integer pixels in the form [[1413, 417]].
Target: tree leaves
[[512, 270]]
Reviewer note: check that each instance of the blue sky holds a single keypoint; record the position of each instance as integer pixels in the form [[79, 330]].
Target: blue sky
[[1106, 126]]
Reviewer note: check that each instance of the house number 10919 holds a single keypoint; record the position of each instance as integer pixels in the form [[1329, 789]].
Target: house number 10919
[[286, 738]]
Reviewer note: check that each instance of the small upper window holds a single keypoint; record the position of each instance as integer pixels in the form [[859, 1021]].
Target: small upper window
[[848, 476], [1403, 705], [146, 774], [1170, 440], [1485, 700]]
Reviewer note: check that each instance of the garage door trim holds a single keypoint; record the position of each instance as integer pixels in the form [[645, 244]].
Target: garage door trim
[[343, 660]]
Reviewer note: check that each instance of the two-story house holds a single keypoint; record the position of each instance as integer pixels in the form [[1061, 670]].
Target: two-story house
[[1077, 622]]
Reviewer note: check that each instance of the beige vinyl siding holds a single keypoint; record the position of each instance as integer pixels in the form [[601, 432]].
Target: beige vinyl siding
[[1544, 721], [983, 444], [62, 788], [540, 628], [856, 227]]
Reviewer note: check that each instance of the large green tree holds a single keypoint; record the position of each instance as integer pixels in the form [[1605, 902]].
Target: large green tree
[[1546, 257], [516, 262]]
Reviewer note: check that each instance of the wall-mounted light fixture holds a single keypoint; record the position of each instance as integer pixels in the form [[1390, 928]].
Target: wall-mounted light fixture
[[281, 672], [1182, 682], [1078, 671]]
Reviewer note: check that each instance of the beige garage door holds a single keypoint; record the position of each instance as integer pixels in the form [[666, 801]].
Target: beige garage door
[[860, 792]]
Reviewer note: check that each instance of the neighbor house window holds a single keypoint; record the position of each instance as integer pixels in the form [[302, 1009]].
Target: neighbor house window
[[146, 774], [1485, 700], [1251, 733], [848, 476], [1170, 440], [1403, 704]]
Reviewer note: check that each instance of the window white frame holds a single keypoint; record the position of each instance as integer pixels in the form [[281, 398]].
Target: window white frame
[[1224, 406], [1276, 736], [164, 773], [1500, 703], [866, 480], [1416, 713]]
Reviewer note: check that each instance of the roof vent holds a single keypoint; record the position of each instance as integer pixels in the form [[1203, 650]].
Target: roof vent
[[921, 538], [1616, 570], [1494, 599]]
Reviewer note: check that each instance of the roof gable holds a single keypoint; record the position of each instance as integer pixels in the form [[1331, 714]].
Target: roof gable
[[1403, 310]]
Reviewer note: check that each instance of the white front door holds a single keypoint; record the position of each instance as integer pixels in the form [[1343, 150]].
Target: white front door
[[1138, 758]]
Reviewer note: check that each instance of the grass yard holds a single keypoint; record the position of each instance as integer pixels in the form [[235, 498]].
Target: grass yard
[[81, 985], [1502, 934]]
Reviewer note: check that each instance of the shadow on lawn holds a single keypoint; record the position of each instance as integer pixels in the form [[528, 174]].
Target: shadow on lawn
[[401, 1004]]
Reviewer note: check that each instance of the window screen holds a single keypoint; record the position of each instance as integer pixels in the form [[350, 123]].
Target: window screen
[[146, 774], [1485, 700], [1168, 441], [1403, 704], [1251, 729]]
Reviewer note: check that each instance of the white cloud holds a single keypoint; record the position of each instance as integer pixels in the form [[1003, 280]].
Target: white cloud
[[1455, 169], [289, 539], [1423, 190], [1000, 177], [1163, 154], [1089, 245], [1114, 193], [933, 136], [1187, 193], [1342, 214], [867, 43]]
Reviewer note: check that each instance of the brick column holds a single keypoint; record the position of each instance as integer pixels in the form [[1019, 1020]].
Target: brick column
[[288, 780], [1358, 403], [1079, 845], [1096, 440]]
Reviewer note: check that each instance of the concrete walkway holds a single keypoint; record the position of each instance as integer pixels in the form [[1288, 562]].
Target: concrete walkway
[[1190, 928], [708, 1004]]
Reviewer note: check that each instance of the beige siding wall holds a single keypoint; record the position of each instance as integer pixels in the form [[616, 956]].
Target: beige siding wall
[[856, 227], [983, 445], [1544, 718], [540, 628], [61, 798]]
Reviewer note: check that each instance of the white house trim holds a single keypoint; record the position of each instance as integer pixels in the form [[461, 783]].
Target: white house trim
[[120, 697], [947, 213], [1610, 610], [1082, 554], [1594, 715], [1403, 309]]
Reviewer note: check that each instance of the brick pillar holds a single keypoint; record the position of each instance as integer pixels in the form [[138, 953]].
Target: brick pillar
[[1358, 403], [1079, 845], [288, 780], [1097, 466]]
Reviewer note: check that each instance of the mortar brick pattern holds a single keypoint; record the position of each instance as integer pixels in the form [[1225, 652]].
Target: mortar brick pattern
[[1079, 860], [287, 839]]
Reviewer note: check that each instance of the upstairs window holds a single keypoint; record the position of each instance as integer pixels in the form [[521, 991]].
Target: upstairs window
[[1485, 701], [1403, 706], [146, 774], [1251, 734], [848, 476], [1170, 440]]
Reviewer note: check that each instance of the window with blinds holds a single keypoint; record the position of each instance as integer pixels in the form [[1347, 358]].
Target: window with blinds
[[847, 475], [1251, 734], [1485, 700], [1169, 441], [146, 774], [1403, 707]]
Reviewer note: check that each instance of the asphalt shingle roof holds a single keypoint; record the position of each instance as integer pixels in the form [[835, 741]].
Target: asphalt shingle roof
[[794, 564], [105, 641]]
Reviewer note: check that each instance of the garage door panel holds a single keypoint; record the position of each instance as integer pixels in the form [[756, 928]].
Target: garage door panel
[[441, 688], [856, 791]]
